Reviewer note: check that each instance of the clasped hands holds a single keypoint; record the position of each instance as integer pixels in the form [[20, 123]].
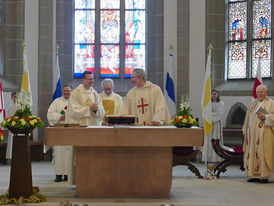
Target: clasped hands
[[94, 107], [261, 116]]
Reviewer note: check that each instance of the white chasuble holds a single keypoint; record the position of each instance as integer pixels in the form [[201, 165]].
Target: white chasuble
[[79, 107], [60, 153], [148, 104], [259, 140]]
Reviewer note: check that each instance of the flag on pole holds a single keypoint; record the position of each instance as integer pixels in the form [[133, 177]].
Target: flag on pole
[[25, 86], [169, 92], [206, 97], [258, 78], [2, 107], [57, 88]]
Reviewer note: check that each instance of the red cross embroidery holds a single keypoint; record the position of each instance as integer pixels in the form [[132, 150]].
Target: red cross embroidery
[[142, 105]]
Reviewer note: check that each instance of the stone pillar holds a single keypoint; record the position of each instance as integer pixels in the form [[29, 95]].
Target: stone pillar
[[197, 55]]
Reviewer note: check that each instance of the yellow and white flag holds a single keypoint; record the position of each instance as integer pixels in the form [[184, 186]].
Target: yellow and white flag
[[25, 93], [206, 97]]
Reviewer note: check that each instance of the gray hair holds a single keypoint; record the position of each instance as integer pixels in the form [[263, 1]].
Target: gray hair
[[262, 85], [68, 85], [108, 82], [140, 73]]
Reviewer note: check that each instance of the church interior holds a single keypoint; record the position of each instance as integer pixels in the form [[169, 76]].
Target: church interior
[[184, 28]]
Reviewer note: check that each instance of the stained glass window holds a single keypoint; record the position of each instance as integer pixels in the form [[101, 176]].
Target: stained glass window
[[135, 26], [110, 4], [84, 4], [244, 39], [237, 21], [262, 50], [109, 49], [110, 26], [262, 19], [237, 60], [109, 66], [135, 58], [135, 4]]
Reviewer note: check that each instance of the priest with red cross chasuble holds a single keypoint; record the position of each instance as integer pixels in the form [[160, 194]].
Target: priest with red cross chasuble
[[146, 101]]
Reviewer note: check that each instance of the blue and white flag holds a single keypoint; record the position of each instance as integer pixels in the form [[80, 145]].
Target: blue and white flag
[[57, 88], [169, 87]]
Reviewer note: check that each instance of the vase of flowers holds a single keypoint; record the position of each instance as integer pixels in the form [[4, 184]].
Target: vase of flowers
[[184, 118], [23, 121]]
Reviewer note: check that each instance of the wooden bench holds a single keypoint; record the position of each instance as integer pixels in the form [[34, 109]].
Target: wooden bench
[[36, 149]]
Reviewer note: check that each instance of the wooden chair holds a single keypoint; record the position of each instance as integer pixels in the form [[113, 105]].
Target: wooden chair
[[183, 156], [231, 156]]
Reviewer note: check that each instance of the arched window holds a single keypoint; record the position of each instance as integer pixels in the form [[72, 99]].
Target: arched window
[[109, 37], [249, 31]]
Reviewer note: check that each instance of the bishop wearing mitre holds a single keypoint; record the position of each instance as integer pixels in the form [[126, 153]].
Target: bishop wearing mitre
[[112, 102], [146, 101]]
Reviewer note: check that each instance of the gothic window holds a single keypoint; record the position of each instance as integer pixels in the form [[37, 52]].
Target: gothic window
[[109, 37], [248, 38]]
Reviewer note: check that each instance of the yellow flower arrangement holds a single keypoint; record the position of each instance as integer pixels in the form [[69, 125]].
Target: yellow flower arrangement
[[184, 118], [22, 119]]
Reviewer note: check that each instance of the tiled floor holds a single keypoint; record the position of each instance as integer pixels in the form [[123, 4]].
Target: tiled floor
[[187, 190]]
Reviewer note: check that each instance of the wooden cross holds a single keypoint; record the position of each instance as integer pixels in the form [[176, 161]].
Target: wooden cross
[[142, 105]]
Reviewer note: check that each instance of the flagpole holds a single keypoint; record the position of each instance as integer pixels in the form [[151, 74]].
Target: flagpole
[[209, 53], [206, 106]]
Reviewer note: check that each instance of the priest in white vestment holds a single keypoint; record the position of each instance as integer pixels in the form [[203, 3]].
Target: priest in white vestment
[[56, 115], [218, 109], [146, 101], [85, 108], [112, 102], [85, 104], [258, 133], [11, 111]]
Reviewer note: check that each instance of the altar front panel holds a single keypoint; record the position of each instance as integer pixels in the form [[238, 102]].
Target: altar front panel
[[123, 172], [120, 162]]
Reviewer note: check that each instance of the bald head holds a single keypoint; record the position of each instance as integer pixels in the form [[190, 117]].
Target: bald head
[[261, 91]]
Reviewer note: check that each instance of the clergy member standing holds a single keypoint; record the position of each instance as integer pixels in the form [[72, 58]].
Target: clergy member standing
[[258, 133], [146, 101], [85, 108], [85, 104], [112, 102], [11, 111], [57, 114]]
